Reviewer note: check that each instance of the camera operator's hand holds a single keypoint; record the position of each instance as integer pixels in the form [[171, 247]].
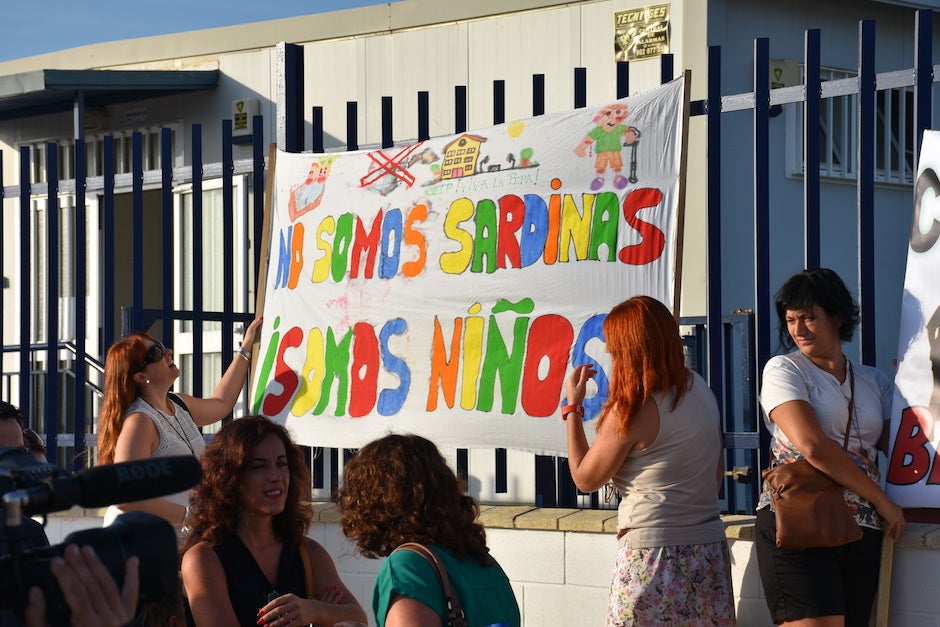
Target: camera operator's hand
[[89, 589]]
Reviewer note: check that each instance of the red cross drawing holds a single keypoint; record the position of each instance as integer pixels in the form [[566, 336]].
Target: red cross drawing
[[390, 165]]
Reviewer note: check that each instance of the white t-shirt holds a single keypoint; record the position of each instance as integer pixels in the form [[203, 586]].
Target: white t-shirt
[[795, 377]]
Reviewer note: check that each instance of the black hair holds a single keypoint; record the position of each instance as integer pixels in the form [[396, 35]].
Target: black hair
[[11, 411], [819, 286]]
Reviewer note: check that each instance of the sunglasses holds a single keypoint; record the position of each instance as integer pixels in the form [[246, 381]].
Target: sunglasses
[[155, 352]]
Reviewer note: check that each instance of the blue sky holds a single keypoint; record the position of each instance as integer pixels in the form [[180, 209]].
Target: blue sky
[[33, 27]]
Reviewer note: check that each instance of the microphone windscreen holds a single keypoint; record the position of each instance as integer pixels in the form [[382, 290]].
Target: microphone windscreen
[[137, 480]]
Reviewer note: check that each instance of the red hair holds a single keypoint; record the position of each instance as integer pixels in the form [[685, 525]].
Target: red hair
[[126, 357], [643, 340]]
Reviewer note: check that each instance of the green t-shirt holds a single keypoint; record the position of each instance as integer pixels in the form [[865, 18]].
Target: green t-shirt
[[607, 141], [484, 592]]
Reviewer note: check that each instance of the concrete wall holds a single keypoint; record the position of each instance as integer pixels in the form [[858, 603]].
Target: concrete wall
[[559, 562]]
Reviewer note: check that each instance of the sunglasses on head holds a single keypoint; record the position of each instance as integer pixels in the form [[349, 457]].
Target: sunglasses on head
[[155, 352]]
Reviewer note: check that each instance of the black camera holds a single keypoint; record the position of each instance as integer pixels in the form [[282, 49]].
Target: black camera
[[28, 486]]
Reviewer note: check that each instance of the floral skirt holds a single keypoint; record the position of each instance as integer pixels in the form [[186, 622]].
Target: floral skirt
[[684, 585]]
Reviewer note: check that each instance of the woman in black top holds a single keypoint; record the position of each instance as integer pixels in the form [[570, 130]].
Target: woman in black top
[[243, 560]]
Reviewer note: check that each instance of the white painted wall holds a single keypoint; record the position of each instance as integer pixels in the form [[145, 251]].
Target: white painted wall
[[561, 578]]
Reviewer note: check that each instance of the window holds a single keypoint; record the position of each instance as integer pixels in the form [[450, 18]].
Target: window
[[894, 132], [94, 153]]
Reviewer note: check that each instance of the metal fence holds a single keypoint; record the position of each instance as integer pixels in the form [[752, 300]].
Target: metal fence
[[58, 380]]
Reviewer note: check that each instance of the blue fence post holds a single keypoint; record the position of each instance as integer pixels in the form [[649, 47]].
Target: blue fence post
[[387, 136], [623, 79], [81, 309], [167, 231], [762, 198], [110, 304], [923, 78], [198, 256], [228, 246], [3, 276], [811, 246], [138, 237], [290, 99], [51, 400], [499, 101], [316, 129], [460, 109], [865, 140], [538, 94], [25, 282], [424, 116], [352, 126], [713, 200]]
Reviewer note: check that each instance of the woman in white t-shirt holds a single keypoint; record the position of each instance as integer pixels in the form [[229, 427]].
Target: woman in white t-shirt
[[141, 419], [805, 396]]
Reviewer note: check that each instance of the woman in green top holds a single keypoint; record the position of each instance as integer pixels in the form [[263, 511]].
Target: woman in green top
[[399, 489]]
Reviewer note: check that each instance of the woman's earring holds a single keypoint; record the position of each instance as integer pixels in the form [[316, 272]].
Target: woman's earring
[[147, 381]]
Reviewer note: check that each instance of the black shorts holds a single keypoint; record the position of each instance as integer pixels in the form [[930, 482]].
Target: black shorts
[[840, 581]]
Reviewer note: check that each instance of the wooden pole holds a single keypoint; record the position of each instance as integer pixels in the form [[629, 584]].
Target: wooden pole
[[882, 601], [263, 257]]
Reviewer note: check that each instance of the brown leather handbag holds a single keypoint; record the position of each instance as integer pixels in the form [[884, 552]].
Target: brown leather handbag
[[810, 508]]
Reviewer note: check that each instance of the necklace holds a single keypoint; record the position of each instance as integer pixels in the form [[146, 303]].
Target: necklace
[[178, 428]]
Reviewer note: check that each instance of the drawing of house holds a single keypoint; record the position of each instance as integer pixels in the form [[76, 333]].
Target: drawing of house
[[460, 156]]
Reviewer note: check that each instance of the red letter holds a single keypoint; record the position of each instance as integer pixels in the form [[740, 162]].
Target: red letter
[[653, 240], [365, 370], [910, 459], [511, 213], [284, 374], [550, 336], [368, 242]]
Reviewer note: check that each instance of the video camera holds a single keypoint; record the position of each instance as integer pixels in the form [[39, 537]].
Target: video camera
[[28, 486]]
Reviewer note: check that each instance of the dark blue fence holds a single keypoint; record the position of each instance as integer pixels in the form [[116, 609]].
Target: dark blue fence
[[56, 377]]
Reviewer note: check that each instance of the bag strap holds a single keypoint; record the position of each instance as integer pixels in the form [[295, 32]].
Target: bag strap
[[176, 399], [308, 570], [845, 440], [455, 614]]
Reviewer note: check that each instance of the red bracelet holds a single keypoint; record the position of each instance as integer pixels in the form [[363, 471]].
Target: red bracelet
[[567, 409]]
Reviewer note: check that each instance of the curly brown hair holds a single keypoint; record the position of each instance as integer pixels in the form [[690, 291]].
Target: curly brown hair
[[399, 489], [216, 505]]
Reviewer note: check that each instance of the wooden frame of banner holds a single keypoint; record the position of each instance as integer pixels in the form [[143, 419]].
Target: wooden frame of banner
[[680, 201], [883, 598], [263, 257]]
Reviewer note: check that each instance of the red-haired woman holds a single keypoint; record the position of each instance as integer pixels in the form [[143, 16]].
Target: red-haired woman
[[659, 440], [139, 420], [243, 561]]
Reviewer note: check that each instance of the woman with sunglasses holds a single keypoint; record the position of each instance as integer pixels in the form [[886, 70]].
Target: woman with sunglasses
[[141, 419]]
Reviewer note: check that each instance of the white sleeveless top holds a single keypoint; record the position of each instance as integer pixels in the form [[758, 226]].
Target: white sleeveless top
[[179, 435]]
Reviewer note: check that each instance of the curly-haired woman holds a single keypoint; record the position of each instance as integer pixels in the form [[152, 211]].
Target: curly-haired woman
[[243, 561], [139, 418], [399, 489]]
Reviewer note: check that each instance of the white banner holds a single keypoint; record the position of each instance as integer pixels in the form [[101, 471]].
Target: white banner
[[447, 287], [913, 478]]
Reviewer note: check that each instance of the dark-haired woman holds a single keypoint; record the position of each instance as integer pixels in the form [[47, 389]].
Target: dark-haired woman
[[243, 561], [140, 420], [399, 489], [806, 396]]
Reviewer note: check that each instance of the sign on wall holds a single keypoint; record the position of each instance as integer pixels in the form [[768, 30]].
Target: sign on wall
[[446, 287], [641, 33], [913, 478]]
